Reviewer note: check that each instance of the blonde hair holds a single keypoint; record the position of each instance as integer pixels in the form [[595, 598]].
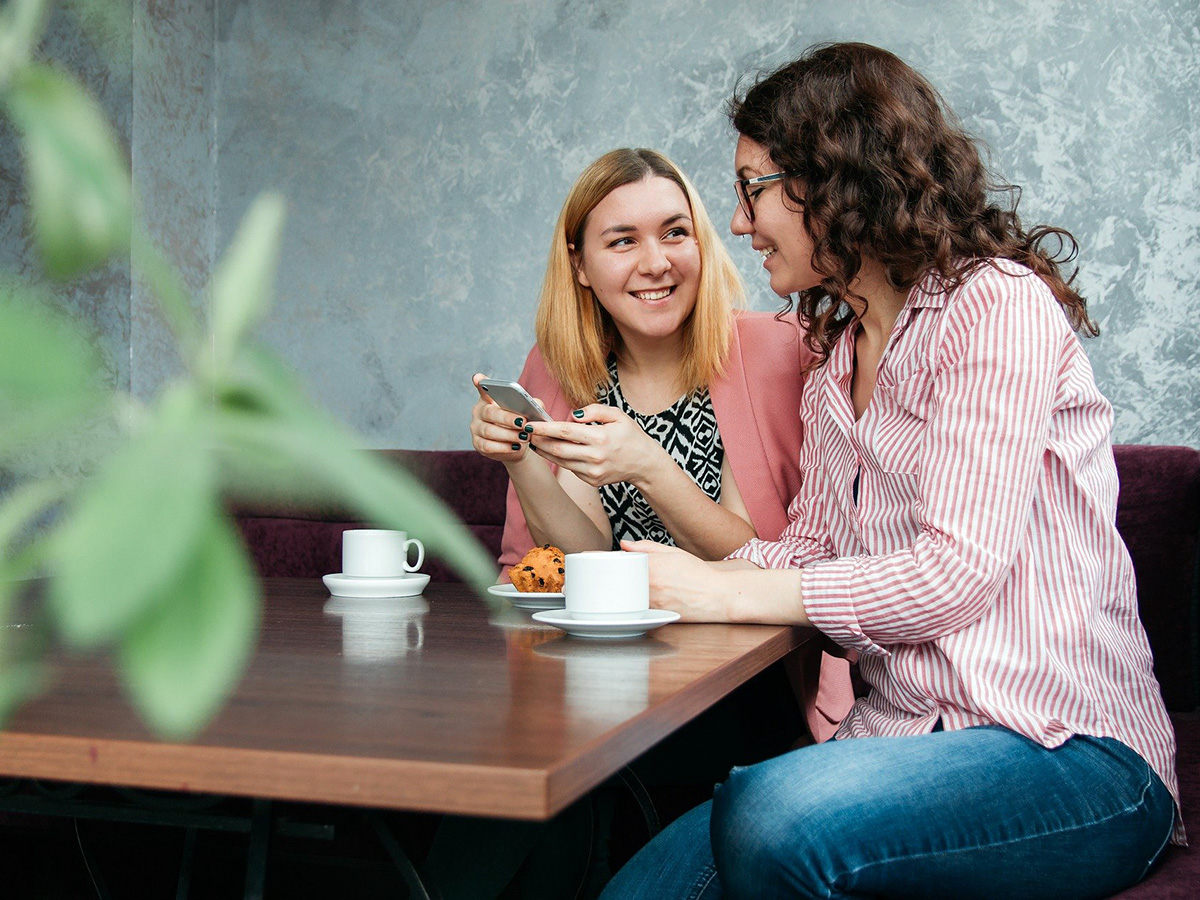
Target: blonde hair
[[576, 335]]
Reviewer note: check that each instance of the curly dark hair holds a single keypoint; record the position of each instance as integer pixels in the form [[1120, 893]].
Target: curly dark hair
[[882, 170]]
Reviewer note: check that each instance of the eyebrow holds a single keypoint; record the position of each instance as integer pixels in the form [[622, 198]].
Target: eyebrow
[[625, 229], [746, 172]]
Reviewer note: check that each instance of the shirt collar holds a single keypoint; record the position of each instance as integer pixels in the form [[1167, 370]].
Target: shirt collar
[[929, 292]]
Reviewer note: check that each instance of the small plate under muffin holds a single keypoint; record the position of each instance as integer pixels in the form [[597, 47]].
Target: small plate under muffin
[[529, 599]]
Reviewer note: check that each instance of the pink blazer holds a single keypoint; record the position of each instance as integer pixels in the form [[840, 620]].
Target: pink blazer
[[757, 405]]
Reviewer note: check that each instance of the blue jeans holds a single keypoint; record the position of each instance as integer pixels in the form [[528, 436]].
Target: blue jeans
[[980, 812]]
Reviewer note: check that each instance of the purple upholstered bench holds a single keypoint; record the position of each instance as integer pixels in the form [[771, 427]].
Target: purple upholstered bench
[[306, 542], [1158, 514]]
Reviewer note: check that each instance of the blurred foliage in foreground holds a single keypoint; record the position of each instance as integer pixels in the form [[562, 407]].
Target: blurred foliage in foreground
[[140, 556]]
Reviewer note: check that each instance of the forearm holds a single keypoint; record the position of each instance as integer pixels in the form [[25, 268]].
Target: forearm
[[727, 591], [767, 596], [694, 520], [552, 516]]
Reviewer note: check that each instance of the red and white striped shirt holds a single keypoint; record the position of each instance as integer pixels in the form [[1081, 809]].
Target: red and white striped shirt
[[979, 574]]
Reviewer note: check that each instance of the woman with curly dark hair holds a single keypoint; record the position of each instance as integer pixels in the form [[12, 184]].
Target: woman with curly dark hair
[[955, 527]]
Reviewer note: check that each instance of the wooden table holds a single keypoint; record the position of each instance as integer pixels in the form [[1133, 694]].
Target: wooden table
[[451, 703]]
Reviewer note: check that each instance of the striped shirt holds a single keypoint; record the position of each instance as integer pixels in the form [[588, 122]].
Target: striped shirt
[[978, 572]]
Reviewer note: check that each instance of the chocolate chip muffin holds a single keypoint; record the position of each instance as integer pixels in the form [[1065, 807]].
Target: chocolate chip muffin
[[540, 571]]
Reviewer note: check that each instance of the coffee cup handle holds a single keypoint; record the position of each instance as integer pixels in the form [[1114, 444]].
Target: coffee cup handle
[[420, 555]]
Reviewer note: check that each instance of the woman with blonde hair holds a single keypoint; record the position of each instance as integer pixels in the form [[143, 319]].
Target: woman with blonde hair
[[675, 421], [676, 413]]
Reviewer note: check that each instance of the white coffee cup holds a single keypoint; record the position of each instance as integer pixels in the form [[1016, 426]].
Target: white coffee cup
[[607, 584], [378, 553]]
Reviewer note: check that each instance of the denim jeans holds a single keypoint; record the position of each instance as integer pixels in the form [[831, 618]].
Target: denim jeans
[[979, 812]]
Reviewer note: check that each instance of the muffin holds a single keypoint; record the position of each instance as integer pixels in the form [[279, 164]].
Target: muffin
[[540, 571]]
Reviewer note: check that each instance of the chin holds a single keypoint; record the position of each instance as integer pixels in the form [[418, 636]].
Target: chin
[[785, 286], [782, 288]]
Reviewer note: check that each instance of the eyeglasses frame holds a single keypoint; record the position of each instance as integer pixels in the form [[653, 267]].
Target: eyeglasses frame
[[741, 188]]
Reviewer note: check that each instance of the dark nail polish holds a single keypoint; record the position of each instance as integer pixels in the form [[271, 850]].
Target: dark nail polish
[[529, 429], [516, 446], [518, 421], [578, 413], [522, 436]]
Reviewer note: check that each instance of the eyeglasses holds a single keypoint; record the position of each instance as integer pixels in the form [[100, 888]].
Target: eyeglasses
[[742, 187]]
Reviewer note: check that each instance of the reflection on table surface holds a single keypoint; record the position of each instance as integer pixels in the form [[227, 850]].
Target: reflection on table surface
[[451, 701]]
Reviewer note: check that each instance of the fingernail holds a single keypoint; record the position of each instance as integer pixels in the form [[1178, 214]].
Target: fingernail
[[516, 446], [518, 421], [529, 429], [578, 413], [523, 436]]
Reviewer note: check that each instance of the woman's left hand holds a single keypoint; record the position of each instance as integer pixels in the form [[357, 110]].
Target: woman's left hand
[[679, 581], [601, 446]]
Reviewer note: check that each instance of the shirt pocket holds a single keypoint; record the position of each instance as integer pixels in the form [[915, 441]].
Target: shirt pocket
[[906, 408]]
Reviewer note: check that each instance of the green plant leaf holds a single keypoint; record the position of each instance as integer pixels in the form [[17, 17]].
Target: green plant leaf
[[47, 371], [242, 284], [19, 507], [264, 416], [21, 24], [182, 659], [19, 682], [79, 183], [136, 524]]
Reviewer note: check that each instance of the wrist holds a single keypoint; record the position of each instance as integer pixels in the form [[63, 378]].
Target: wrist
[[767, 596], [727, 588], [528, 462], [658, 466]]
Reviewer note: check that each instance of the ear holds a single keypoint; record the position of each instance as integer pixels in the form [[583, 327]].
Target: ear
[[577, 265]]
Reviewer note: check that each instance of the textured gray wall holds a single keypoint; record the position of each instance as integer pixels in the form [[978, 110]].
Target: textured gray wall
[[424, 148], [173, 158]]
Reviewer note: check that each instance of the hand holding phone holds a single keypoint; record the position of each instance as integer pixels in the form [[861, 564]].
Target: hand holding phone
[[511, 396]]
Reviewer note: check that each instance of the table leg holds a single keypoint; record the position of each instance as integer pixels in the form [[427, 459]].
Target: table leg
[[642, 797], [256, 861], [416, 888], [184, 884], [93, 870]]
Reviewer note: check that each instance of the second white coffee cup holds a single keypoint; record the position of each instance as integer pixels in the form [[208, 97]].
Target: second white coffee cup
[[607, 584], [378, 553]]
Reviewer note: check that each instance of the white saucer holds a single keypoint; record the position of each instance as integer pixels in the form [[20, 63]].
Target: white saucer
[[410, 585], [528, 599], [633, 625]]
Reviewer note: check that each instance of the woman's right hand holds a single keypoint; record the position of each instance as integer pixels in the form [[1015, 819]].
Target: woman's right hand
[[497, 433], [601, 445]]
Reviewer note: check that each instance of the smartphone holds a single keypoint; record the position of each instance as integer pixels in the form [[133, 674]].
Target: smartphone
[[512, 396]]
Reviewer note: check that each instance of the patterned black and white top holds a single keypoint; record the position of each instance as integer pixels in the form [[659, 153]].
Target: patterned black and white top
[[688, 432]]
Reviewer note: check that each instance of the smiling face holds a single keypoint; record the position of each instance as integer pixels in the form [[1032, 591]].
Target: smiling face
[[641, 259], [778, 231]]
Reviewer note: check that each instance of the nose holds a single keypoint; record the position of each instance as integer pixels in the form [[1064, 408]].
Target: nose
[[740, 224], [653, 260]]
